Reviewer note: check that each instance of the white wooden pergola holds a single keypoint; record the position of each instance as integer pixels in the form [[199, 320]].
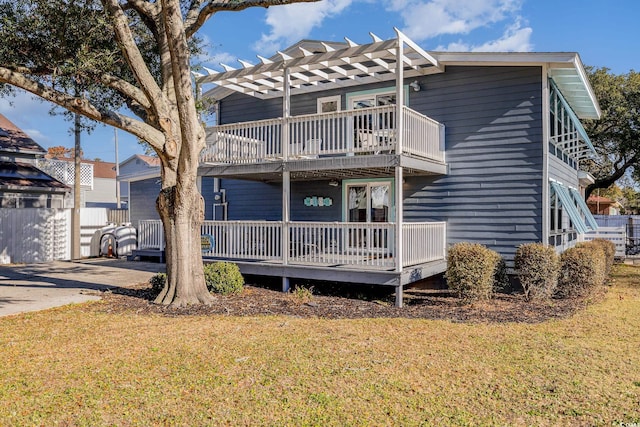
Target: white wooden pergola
[[330, 66]]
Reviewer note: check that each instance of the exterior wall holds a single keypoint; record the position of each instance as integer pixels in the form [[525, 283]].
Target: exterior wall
[[103, 194], [492, 194], [248, 200], [493, 191], [143, 200]]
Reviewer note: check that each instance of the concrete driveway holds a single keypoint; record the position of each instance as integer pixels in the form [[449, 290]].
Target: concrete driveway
[[40, 286]]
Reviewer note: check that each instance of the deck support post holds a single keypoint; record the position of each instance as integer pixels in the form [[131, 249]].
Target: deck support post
[[399, 295], [285, 284]]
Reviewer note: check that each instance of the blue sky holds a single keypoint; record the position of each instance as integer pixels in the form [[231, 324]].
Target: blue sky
[[605, 33]]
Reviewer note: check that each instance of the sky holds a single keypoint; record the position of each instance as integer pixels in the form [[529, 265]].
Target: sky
[[604, 33]]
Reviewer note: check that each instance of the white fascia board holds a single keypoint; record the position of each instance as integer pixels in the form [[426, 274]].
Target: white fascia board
[[140, 176]]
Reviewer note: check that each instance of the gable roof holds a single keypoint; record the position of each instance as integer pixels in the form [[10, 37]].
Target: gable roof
[[14, 139], [150, 161], [316, 66]]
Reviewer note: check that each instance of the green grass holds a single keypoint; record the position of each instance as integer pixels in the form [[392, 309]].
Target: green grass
[[78, 365]]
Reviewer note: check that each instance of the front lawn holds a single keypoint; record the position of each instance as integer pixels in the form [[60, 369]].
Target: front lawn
[[84, 365]]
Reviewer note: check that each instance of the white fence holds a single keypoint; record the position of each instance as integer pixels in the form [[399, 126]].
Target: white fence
[[617, 235], [368, 245], [33, 235]]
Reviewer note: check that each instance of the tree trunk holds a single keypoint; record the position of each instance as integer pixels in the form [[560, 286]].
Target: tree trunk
[[182, 211]]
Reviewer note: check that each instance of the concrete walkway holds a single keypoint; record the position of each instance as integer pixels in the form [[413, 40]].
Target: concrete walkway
[[40, 286]]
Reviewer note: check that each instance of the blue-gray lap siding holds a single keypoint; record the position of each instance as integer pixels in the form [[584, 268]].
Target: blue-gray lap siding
[[142, 204], [247, 200], [493, 191]]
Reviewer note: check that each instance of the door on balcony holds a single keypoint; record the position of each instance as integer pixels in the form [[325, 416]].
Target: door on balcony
[[369, 203], [371, 130]]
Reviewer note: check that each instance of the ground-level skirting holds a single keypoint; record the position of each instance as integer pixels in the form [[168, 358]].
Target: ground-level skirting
[[345, 274]]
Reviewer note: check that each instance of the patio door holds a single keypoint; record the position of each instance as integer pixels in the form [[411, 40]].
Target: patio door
[[369, 129], [368, 203]]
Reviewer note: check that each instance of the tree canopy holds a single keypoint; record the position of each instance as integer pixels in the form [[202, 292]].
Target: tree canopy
[[99, 58], [616, 136]]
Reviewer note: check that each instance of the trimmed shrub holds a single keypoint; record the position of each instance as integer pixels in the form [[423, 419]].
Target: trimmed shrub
[[223, 278], [598, 258], [157, 282], [537, 266], [471, 269], [609, 249], [579, 271]]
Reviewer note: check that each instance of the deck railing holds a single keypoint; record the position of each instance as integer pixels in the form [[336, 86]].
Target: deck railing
[[423, 242], [150, 234], [244, 239], [362, 131], [369, 245], [342, 243], [423, 136]]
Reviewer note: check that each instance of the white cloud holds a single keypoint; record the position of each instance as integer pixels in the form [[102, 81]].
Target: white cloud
[[427, 19], [515, 39], [294, 22]]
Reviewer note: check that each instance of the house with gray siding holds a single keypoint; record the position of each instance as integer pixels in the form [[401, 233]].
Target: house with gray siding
[[363, 163]]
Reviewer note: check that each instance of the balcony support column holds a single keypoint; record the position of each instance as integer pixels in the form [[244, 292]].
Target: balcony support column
[[286, 113], [399, 94], [398, 219], [286, 201]]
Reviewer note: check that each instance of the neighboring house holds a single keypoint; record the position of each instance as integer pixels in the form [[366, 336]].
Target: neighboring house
[[139, 186], [603, 206], [97, 179], [363, 163], [22, 183]]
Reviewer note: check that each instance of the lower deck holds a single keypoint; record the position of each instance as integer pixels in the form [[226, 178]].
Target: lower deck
[[363, 253]]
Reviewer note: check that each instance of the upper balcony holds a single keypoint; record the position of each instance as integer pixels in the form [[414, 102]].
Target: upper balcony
[[362, 138], [357, 142]]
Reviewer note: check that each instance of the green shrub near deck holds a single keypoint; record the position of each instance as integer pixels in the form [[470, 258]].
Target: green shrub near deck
[[609, 250], [580, 272], [471, 270], [223, 278], [537, 266]]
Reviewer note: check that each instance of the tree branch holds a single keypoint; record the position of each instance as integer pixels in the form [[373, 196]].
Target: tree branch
[[134, 58], [195, 22], [126, 89], [610, 179], [142, 130]]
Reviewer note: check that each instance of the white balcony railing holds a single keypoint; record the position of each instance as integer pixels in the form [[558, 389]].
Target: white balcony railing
[[64, 171], [369, 245], [362, 131]]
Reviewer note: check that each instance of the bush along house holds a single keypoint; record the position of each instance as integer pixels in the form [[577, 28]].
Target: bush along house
[[362, 163]]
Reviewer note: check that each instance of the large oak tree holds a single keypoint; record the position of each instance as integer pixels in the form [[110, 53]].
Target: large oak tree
[[616, 136], [94, 57]]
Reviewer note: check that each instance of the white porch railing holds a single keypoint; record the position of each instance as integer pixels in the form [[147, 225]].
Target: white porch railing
[[244, 239], [423, 242], [64, 171], [150, 234], [362, 131], [368, 245], [423, 136], [342, 243]]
